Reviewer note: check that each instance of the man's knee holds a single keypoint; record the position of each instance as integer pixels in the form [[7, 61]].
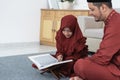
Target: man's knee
[[79, 65], [79, 68]]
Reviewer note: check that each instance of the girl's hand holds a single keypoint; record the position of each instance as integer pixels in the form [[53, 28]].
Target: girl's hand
[[75, 78], [60, 57]]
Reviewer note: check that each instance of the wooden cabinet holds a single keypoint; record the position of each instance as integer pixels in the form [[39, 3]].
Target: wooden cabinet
[[50, 23]]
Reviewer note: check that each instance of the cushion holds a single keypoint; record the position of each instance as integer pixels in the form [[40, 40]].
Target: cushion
[[94, 33], [90, 23], [118, 10]]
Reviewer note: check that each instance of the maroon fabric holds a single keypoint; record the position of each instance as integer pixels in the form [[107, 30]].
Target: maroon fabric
[[34, 66], [107, 59], [73, 47], [109, 52], [92, 71]]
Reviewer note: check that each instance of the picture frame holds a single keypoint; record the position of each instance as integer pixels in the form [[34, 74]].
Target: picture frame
[[53, 4]]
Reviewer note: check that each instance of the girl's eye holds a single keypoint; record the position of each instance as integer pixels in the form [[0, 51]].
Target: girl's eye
[[66, 30]]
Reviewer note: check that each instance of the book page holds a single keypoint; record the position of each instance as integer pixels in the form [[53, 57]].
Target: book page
[[43, 60]]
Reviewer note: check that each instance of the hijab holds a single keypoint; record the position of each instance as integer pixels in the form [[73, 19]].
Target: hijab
[[73, 44]]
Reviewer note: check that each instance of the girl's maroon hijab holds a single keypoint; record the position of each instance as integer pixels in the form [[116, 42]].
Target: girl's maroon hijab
[[73, 44]]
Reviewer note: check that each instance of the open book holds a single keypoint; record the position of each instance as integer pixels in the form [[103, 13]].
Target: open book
[[44, 61]]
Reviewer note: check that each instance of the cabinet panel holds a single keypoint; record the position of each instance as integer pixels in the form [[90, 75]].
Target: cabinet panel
[[47, 29], [69, 12], [47, 13], [56, 28]]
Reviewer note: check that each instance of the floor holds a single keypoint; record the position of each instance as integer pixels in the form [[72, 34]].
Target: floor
[[23, 48]]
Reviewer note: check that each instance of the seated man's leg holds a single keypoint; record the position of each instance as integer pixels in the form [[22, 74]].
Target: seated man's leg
[[89, 70]]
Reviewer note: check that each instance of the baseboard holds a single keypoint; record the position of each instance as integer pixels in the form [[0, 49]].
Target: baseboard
[[19, 43]]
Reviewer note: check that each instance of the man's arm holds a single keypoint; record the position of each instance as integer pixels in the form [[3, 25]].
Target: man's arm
[[108, 47]]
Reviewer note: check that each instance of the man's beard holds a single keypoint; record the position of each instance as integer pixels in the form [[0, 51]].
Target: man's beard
[[99, 18]]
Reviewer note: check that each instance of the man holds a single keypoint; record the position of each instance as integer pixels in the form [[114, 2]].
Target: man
[[105, 63]]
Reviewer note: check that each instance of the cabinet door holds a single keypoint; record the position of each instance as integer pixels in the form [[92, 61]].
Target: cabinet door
[[57, 26], [57, 21], [46, 30], [47, 23]]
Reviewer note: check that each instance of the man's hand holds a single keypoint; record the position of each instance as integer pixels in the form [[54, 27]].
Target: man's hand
[[60, 57]]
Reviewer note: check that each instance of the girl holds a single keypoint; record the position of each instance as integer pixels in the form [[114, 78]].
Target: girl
[[70, 44]]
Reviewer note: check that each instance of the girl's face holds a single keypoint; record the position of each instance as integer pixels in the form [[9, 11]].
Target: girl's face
[[67, 32]]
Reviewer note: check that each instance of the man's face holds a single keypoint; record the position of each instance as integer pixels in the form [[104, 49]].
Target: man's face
[[95, 12]]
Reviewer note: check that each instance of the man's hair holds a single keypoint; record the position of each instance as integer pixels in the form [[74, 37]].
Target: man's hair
[[99, 4]]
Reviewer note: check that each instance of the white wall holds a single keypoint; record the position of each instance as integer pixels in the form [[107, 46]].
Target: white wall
[[116, 3], [20, 20], [82, 4]]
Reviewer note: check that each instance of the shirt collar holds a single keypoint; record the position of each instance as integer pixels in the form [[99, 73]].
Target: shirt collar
[[109, 16]]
